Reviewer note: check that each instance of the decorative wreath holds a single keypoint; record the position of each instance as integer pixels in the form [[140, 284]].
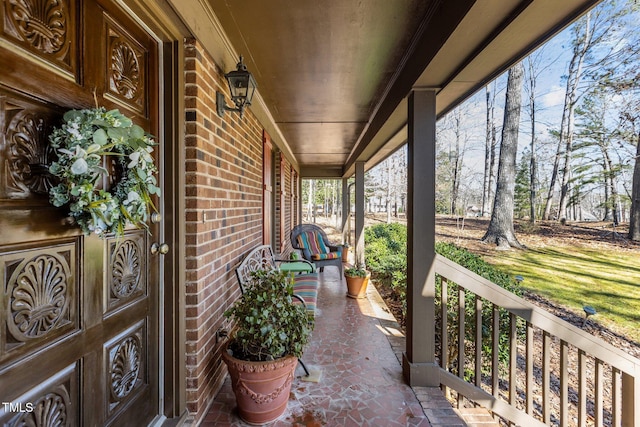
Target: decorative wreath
[[81, 143]]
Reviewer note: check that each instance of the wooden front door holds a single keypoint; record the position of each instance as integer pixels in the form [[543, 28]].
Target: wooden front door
[[78, 315]]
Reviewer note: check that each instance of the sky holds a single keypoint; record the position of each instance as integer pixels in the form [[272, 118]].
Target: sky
[[554, 59]]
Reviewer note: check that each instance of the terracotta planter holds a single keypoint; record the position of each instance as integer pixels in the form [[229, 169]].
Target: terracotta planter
[[357, 286], [345, 254], [261, 388]]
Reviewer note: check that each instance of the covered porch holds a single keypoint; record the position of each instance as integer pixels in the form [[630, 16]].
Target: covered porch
[[336, 97], [341, 85], [357, 348]]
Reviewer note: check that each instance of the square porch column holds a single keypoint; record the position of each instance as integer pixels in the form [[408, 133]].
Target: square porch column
[[359, 254], [419, 364], [346, 211]]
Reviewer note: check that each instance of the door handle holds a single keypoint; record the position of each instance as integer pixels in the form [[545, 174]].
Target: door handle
[[159, 248]]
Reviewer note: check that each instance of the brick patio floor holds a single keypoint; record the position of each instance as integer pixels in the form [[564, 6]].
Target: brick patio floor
[[356, 344]]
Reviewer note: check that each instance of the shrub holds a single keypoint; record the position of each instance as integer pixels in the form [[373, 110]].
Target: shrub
[[479, 266], [475, 263], [385, 256]]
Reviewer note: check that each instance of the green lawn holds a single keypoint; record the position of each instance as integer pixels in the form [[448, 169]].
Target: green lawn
[[577, 276]]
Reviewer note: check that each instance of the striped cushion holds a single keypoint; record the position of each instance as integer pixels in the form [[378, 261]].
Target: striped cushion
[[313, 242], [330, 255], [306, 287]]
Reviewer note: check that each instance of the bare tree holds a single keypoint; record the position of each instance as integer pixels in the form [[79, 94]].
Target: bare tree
[[581, 43], [310, 202], [634, 223], [389, 162], [599, 42], [500, 231], [490, 149], [630, 133], [386, 184], [532, 162], [457, 159], [452, 138]]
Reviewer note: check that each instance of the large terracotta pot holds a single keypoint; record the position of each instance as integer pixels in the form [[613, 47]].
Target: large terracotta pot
[[357, 286], [261, 388]]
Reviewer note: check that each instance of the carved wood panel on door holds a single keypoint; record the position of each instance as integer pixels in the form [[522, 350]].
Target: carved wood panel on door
[[78, 315]]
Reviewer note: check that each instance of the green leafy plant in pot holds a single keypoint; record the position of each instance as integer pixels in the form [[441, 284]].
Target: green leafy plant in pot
[[270, 334], [357, 280]]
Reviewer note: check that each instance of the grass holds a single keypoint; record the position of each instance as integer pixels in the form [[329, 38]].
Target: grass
[[578, 276], [571, 266]]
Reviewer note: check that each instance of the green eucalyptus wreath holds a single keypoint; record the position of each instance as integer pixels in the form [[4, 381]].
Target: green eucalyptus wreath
[[80, 143]]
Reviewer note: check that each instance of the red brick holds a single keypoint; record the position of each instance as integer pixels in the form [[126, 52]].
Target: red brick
[[224, 165]]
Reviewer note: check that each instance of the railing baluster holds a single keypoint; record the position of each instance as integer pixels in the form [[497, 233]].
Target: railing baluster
[[529, 362], [478, 371], [444, 332], [546, 378], [616, 402], [630, 404], [564, 383], [444, 339], [616, 385], [513, 359], [495, 344], [598, 394], [461, 337], [582, 388]]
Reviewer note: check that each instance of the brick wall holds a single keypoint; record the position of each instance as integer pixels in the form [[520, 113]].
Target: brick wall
[[223, 218]]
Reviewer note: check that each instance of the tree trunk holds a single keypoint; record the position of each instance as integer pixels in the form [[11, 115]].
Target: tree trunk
[[311, 209], [487, 156], [582, 42], [581, 48], [492, 162], [611, 193], [336, 202], [388, 196], [532, 162], [607, 197], [490, 152], [455, 185], [566, 167], [634, 222], [500, 231], [554, 174]]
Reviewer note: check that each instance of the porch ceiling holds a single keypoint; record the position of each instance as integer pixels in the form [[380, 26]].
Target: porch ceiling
[[335, 74]]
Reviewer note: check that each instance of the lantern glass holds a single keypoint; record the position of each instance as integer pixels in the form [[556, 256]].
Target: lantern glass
[[242, 86]]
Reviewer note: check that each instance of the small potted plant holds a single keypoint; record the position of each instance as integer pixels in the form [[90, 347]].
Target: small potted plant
[[345, 252], [269, 335], [357, 281]]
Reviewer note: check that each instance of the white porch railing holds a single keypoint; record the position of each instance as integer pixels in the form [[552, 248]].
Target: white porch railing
[[532, 382]]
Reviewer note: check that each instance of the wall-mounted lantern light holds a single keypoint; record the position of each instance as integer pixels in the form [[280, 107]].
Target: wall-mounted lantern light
[[242, 86]]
